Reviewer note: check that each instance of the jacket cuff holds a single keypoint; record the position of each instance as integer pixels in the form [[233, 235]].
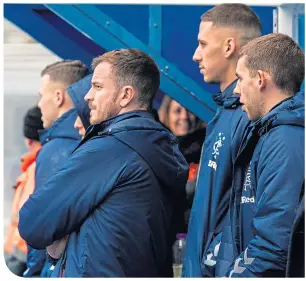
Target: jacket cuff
[[51, 260]]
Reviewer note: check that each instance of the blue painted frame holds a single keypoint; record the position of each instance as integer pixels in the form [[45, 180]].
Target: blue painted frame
[[24, 16], [104, 31], [301, 37], [85, 31], [155, 27], [301, 31]]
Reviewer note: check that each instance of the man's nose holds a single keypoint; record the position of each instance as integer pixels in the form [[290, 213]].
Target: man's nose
[[237, 89], [196, 56], [88, 96]]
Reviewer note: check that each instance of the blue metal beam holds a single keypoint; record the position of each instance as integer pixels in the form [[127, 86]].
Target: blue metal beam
[[107, 33], [155, 27], [26, 19]]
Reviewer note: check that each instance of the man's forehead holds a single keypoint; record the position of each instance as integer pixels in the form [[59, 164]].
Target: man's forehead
[[241, 62], [46, 81], [208, 27], [45, 78], [102, 71], [205, 26]]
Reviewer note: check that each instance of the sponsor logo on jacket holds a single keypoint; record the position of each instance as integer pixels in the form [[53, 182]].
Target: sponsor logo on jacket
[[215, 154], [248, 193], [245, 199], [247, 183]]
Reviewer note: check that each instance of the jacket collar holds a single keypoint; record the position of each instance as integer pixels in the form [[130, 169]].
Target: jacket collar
[[63, 126], [227, 98], [263, 124], [103, 127]]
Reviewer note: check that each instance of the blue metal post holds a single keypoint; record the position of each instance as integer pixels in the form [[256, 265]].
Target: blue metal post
[[155, 27]]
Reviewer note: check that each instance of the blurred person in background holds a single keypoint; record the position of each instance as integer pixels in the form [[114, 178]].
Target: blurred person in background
[[190, 132], [59, 138], [15, 248]]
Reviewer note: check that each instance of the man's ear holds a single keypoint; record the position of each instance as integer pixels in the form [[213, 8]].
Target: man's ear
[[230, 46], [262, 79], [59, 97], [127, 95]]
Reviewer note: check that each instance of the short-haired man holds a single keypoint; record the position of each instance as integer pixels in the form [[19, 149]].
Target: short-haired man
[[120, 186], [269, 169], [223, 30], [59, 137]]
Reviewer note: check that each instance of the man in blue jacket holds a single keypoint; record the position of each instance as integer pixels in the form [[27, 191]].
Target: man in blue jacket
[[116, 194], [269, 169], [223, 30], [59, 137]]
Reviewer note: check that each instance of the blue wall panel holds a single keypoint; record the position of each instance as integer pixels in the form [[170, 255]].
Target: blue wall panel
[[301, 29], [135, 18]]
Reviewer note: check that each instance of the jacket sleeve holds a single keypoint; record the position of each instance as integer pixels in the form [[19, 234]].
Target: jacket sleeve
[[62, 204], [280, 177], [35, 262], [211, 256]]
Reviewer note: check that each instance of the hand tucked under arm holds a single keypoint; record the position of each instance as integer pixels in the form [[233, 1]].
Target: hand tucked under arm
[[56, 250]]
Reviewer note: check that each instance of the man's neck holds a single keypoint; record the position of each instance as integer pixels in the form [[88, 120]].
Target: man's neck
[[228, 78], [272, 101], [131, 108], [63, 110]]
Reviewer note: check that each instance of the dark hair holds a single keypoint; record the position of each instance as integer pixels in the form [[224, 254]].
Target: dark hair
[[278, 55], [32, 123], [238, 16], [66, 71], [135, 68]]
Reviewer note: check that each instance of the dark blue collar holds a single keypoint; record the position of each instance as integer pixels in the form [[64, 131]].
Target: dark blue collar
[[263, 124], [61, 126], [227, 98], [94, 130]]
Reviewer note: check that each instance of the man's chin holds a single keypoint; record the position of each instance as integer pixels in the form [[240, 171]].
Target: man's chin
[[210, 80], [94, 121], [46, 125], [251, 117]]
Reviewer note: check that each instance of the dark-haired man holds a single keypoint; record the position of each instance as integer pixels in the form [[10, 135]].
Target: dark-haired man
[[121, 185]]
